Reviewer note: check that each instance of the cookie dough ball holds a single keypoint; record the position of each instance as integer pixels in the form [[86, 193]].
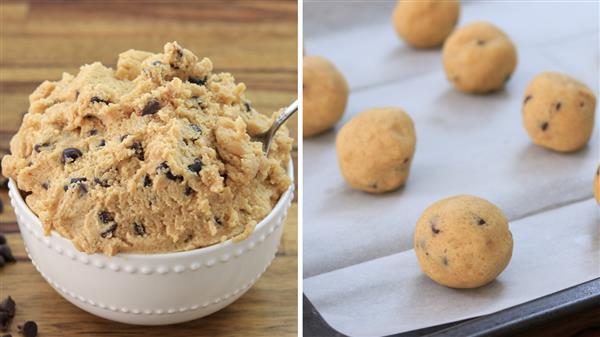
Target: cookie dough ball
[[375, 149], [463, 242], [479, 58], [558, 112], [597, 185], [325, 95], [427, 23]]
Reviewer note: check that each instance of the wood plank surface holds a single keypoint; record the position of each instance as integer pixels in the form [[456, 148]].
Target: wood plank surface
[[254, 40]]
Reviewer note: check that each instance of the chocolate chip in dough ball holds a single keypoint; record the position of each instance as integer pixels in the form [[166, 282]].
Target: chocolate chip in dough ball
[[597, 185], [426, 23], [479, 58], [558, 112], [375, 149], [325, 95], [463, 242]]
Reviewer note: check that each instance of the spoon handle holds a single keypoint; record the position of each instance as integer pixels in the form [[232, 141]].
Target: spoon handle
[[289, 111]]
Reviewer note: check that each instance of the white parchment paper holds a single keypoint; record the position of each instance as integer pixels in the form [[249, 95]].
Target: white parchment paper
[[359, 268]]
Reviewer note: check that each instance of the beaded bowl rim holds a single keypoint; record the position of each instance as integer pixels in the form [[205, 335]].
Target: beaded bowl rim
[[278, 208]]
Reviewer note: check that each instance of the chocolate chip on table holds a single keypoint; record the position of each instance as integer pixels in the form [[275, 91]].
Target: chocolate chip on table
[[8, 306], [164, 168], [147, 181], [71, 154], [110, 232], [29, 329], [102, 183], [97, 99], [196, 167], [198, 81], [105, 217], [151, 107], [6, 253], [138, 149], [527, 98], [139, 229], [544, 126]]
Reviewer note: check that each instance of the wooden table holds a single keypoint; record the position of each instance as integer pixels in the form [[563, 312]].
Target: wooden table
[[256, 41]]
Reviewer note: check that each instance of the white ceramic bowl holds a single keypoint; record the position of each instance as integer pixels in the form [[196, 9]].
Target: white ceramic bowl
[[152, 289]]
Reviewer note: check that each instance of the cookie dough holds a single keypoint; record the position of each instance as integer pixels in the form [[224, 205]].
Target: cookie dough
[[155, 156], [597, 185], [463, 242], [479, 58], [558, 112], [375, 149], [325, 93], [426, 23]]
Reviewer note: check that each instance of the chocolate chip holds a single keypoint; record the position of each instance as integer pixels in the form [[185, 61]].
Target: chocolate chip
[[198, 81], [97, 99], [480, 42], [434, 229], [179, 53], [481, 222], [248, 107], [102, 143], [196, 128], [527, 98], [122, 138], [138, 149], [105, 217], [76, 94], [196, 167], [29, 329], [77, 180], [188, 191], [218, 221], [6, 252], [2, 239], [139, 229], [151, 107], [445, 261], [544, 126], [82, 189], [164, 168], [71, 154], [8, 306], [557, 106], [39, 147], [147, 181], [109, 232], [93, 132], [102, 183]]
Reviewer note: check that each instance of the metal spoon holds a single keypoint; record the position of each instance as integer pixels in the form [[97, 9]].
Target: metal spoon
[[267, 137]]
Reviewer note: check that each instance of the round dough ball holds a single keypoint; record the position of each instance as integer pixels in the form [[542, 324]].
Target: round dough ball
[[558, 112], [479, 58], [375, 149], [325, 95], [597, 185], [427, 23], [463, 242]]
